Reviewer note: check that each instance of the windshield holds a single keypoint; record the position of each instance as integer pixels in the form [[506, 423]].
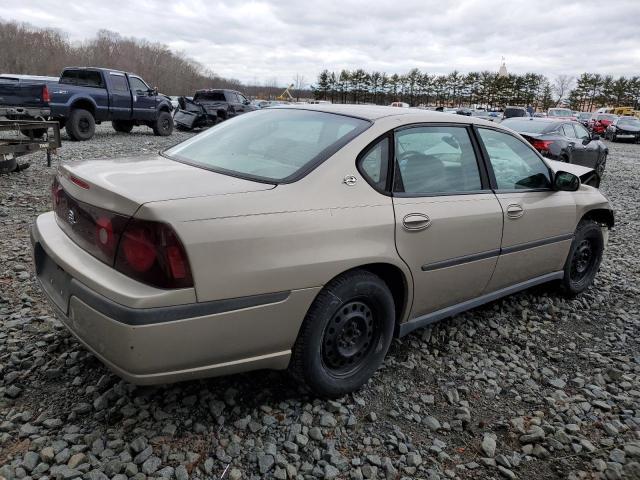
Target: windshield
[[560, 112], [611, 118], [631, 122], [528, 126], [584, 116], [269, 145]]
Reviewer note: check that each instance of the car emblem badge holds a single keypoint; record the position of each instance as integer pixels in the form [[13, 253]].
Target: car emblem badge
[[350, 180], [71, 217]]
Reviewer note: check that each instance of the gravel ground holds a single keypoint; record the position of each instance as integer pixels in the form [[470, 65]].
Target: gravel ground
[[533, 386]]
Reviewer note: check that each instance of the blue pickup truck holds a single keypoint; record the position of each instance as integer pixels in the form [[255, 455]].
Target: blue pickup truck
[[83, 97]]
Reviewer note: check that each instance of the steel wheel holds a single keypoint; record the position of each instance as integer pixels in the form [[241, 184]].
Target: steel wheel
[[349, 338], [84, 125], [583, 260]]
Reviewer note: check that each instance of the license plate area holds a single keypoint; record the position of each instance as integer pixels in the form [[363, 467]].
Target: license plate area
[[54, 280]]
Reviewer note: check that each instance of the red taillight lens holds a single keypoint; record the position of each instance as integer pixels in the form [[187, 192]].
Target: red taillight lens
[[46, 97], [542, 145], [152, 253]]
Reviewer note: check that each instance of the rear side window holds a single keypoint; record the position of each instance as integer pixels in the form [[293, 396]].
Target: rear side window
[[119, 83], [568, 131], [515, 165], [374, 164], [432, 160]]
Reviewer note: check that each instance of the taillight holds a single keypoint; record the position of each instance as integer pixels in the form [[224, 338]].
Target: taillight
[[542, 145], [152, 253], [56, 193], [46, 97]]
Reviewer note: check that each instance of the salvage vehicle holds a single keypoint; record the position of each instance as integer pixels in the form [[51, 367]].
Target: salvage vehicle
[[584, 118], [561, 114], [84, 97], [305, 238], [599, 123], [209, 107], [624, 128], [566, 141], [510, 112]]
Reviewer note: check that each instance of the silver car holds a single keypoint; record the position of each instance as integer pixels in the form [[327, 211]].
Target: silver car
[[306, 238]]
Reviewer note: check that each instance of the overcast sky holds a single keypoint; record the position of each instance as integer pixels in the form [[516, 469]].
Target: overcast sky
[[275, 39]]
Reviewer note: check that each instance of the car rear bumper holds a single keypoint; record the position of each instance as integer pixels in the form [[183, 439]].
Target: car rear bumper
[[24, 112], [163, 344]]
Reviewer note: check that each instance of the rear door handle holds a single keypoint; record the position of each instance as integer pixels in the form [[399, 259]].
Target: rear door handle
[[515, 211], [414, 222]]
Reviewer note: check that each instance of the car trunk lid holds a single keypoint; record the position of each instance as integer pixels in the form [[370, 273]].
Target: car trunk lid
[[124, 184]]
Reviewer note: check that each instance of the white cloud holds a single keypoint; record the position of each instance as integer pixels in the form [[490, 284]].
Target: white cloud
[[262, 40]]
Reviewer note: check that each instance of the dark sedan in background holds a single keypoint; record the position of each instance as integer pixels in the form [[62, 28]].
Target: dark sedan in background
[[564, 140], [624, 128]]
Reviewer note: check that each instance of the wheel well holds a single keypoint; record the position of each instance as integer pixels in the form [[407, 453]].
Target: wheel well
[[395, 280], [600, 215], [85, 104], [164, 108]]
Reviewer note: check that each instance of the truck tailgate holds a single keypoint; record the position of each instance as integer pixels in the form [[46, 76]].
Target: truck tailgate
[[21, 94]]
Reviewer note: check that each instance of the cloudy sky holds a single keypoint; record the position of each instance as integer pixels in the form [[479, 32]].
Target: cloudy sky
[[259, 41]]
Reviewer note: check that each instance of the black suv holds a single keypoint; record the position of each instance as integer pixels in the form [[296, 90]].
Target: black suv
[[209, 107]]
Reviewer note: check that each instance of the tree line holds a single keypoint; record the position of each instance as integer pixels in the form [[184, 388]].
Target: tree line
[[484, 88], [38, 51]]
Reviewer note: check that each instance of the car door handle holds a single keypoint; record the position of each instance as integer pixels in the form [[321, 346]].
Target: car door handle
[[515, 211], [416, 221]]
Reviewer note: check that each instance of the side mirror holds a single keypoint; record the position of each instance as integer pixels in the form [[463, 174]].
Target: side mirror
[[566, 182]]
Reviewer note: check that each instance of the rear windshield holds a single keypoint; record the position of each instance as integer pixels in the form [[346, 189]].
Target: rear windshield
[[515, 112], [585, 116], [560, 112], [269, 145], [629, 121], [526, 126], [82, 78], [209, 96]]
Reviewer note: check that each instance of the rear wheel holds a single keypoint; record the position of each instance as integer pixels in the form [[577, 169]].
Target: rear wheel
[[124, 126], [81, 125], [345, 335], [584, 258], [163, 125]]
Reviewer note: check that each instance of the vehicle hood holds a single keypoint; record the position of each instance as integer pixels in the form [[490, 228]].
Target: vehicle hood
[[628, 128], [585, 173], [123, 184]]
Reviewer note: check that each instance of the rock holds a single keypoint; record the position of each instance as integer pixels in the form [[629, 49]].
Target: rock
[[489, 445], [328, 420], [30, 461], [265, 463], [150, 465]]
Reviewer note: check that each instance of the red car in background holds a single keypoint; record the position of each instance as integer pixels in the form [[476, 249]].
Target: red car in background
[[599, 122]]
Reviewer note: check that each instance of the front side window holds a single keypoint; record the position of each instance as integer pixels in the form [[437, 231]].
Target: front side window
[[515, 165], [138, 85], [433, 160], [270, 145], [375, 162]]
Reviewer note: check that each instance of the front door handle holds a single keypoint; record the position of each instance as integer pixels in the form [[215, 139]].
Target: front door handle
[[515, 211], [414, 222]]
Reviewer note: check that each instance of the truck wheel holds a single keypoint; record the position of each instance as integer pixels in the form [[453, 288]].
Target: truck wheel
[[81, 125], [124, 126], [163, 126]]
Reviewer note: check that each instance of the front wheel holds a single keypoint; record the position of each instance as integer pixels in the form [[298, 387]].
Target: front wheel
[[601, 166], [345, 335], [584, 258], [163, 125]]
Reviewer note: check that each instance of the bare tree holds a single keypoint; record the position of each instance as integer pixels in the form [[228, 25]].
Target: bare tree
[[561, 87], [298, 85]]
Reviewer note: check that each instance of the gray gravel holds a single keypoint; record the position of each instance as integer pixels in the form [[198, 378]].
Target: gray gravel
[[534, 386]]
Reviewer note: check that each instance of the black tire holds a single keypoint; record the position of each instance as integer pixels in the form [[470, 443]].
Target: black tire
[[345, 334], [123, 126], [583, 261], [601, 166], [614, 137], [163, 126], [80, 125]]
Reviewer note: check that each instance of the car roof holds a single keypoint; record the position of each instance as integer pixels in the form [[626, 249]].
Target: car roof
[[375, 112]]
